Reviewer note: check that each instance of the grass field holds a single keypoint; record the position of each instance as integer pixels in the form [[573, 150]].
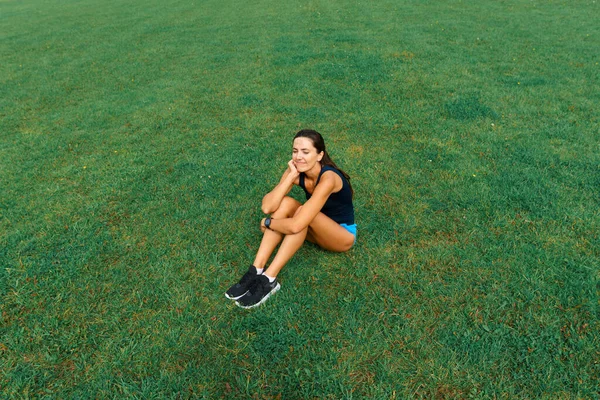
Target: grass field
[[137, 139]]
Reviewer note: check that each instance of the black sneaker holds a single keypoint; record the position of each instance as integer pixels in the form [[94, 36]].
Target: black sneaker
[[240, 288], [260, 290]]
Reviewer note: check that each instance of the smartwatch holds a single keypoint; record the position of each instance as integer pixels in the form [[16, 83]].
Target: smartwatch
[[268, 223]]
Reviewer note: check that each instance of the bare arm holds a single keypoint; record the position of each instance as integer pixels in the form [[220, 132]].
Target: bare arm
[[272, 200], [310, 209]]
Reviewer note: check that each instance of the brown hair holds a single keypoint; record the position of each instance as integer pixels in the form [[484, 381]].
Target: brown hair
[[317, 141]]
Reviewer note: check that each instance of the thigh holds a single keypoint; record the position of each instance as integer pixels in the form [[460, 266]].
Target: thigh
[[329, 235], [288, 207]]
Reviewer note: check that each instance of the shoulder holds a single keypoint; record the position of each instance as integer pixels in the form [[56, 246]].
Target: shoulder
[[332, 180], [332, 171]]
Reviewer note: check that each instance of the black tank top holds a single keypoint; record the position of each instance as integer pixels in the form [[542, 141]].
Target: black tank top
[[338, 206]]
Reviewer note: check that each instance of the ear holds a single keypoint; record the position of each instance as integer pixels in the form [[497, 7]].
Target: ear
[[321, 154]]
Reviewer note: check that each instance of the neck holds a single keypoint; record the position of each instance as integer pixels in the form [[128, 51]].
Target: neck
[[314, 172]]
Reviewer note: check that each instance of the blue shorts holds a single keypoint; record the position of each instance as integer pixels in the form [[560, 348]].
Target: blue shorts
[[350, 228]]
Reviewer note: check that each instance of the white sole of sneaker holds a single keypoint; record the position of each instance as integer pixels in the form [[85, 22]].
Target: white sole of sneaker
[[275, 289], [235, 298]]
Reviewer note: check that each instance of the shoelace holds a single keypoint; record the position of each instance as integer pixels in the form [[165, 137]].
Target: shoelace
[[247, 277], [256, 285]]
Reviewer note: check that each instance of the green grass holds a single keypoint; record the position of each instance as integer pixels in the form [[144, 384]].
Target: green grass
[[138, 137]]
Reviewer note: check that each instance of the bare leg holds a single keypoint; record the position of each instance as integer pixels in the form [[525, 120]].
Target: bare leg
[[329, 235], [289, 247], [322, 231], [271, 238], [269, 241]]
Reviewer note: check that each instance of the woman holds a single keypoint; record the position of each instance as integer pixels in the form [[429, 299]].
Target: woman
[[326, 218]]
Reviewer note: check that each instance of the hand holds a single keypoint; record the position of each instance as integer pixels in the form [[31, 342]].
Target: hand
[[293, 171]]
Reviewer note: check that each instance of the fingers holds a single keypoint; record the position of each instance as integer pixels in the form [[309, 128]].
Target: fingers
[[292, 166]]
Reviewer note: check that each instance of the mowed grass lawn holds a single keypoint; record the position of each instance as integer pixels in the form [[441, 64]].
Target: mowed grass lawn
[[137, 139]]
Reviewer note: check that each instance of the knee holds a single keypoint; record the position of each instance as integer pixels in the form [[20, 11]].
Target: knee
[[345, 246], [297, 211], [287, 208]]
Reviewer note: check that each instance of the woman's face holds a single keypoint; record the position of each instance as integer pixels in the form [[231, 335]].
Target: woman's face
[[304, 154]]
